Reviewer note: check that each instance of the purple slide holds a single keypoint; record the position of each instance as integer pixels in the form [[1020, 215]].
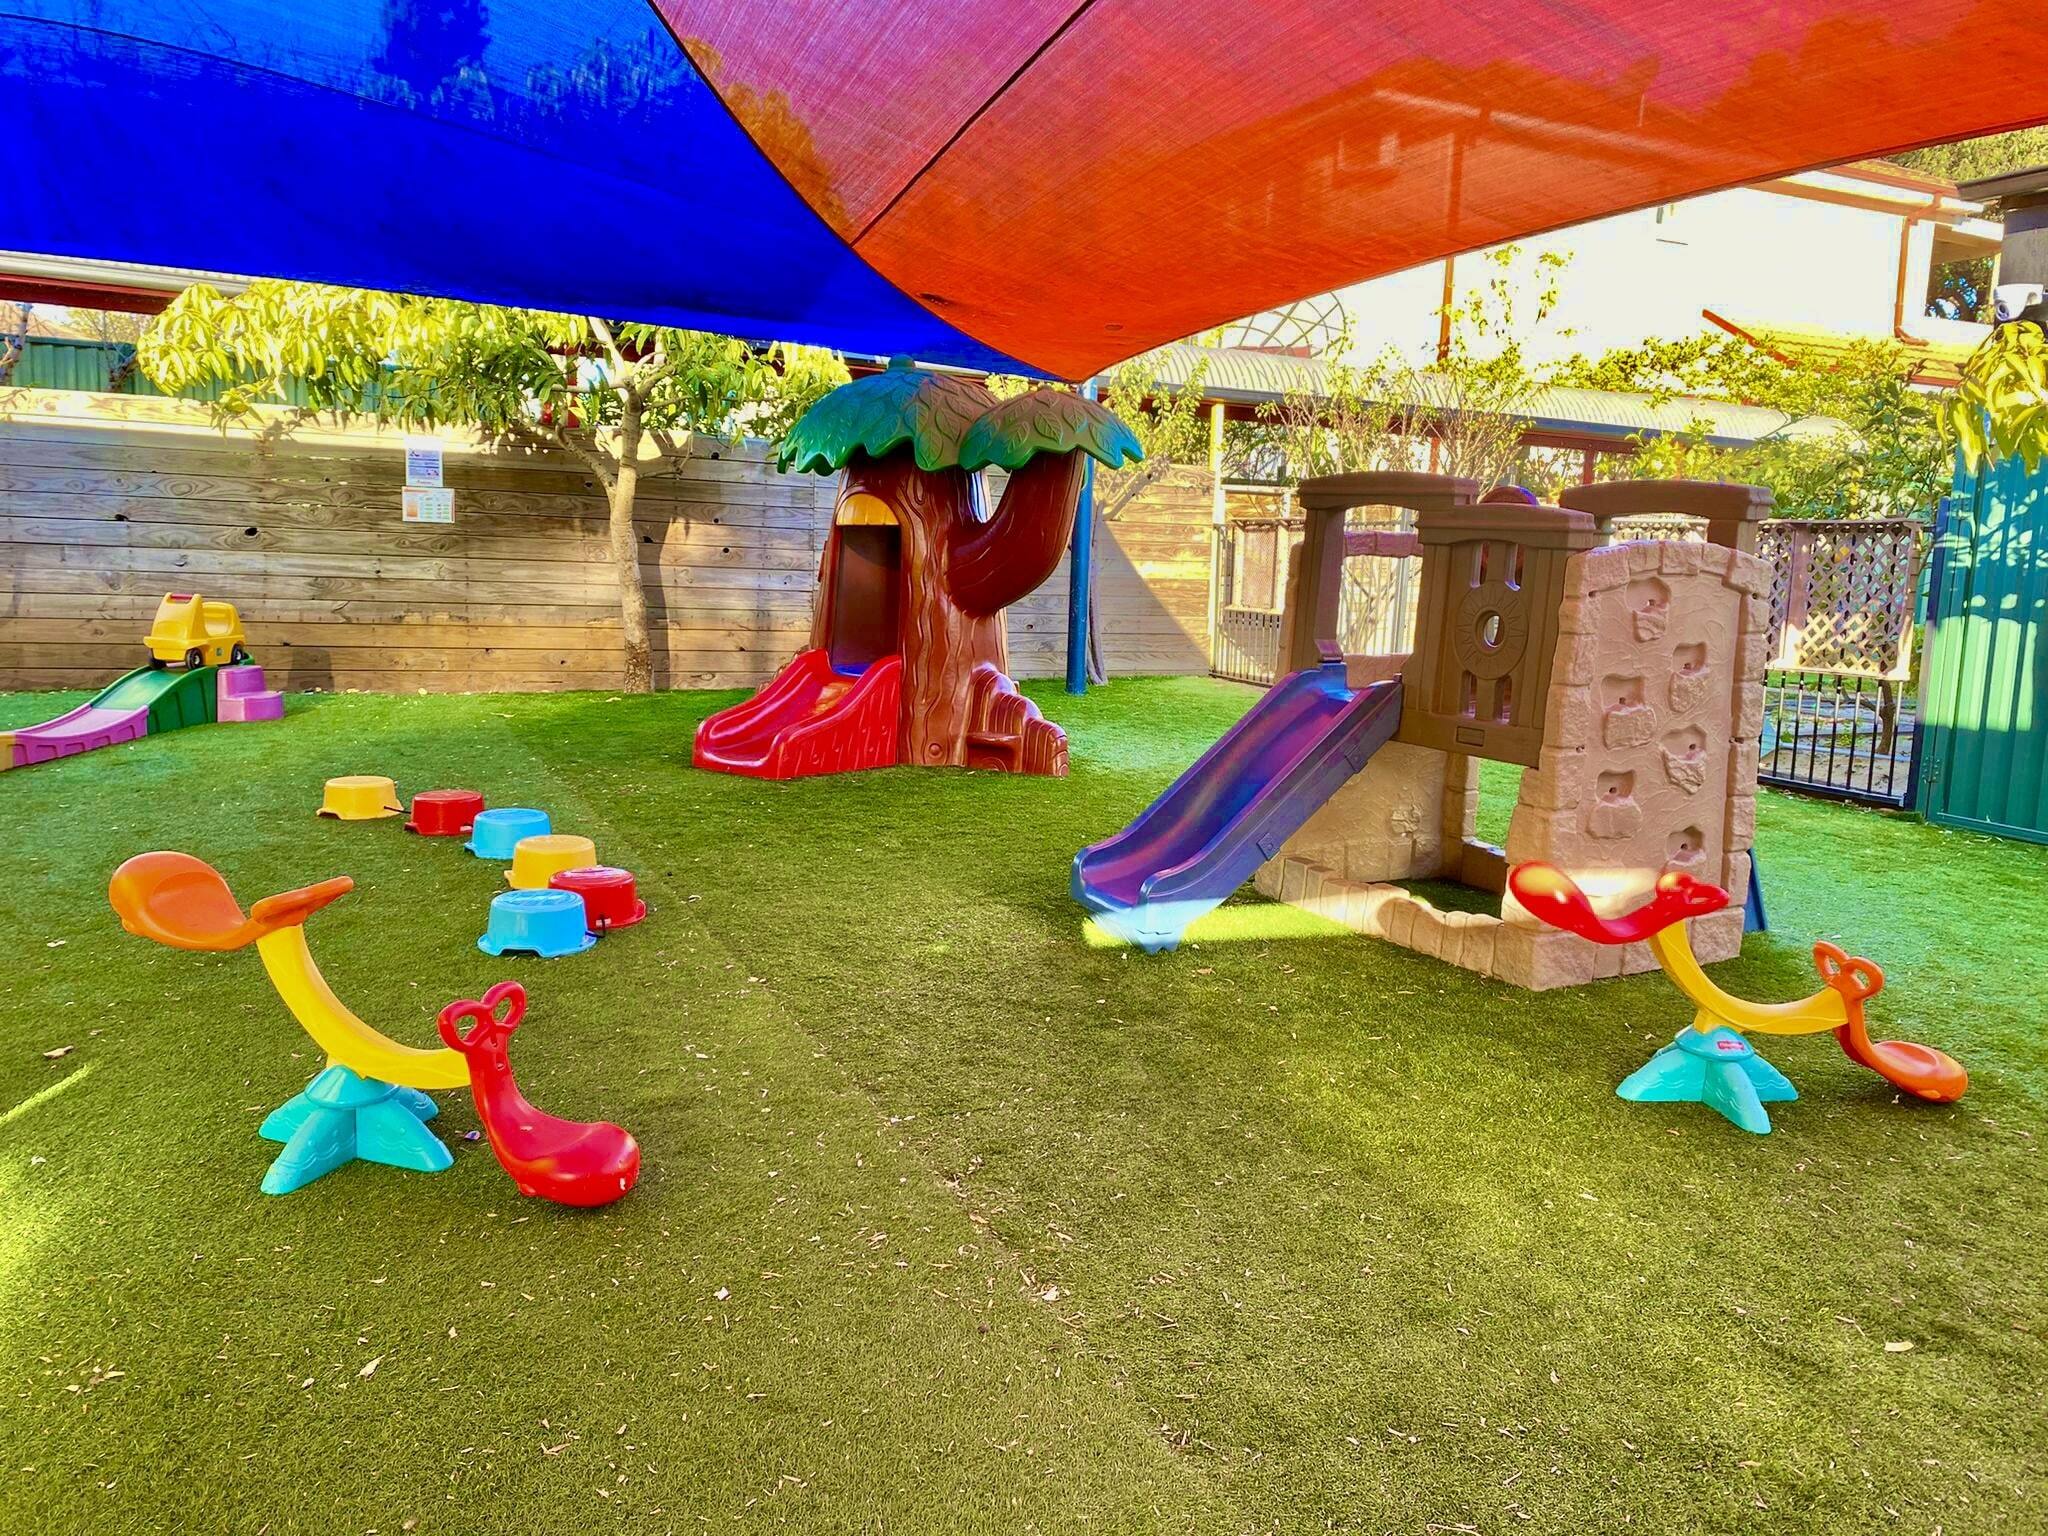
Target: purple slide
[[81, 730], [1229, 813], [149, 697]]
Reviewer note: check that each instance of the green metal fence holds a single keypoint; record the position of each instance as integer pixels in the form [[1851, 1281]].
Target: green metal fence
[[1984, 700], [97, 367]]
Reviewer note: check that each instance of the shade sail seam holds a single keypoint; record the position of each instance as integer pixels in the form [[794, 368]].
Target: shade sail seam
[[1023, 367], [969, 121]]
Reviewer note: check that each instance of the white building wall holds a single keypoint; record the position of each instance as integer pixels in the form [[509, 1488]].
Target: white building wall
[[1752, 255]]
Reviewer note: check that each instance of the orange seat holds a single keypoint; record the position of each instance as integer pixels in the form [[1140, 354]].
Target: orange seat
[[181, 901]]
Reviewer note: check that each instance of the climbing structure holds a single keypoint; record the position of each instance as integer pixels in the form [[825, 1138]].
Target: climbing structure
[[907, 659], [1625, 678]]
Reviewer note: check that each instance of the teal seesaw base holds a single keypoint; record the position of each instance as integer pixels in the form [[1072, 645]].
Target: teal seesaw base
[[342, 1117], [1719, 1069]]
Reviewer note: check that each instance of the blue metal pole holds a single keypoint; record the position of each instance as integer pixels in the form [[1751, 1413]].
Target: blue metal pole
[[1079, 563]]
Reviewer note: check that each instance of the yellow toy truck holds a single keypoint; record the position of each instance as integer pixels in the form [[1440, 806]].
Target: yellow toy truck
[[197, 633]]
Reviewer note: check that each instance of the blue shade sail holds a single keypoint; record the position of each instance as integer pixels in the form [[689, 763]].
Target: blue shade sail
[[563, 156]]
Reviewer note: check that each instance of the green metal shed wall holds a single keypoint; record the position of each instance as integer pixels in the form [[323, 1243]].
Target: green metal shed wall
[[1985, 703]]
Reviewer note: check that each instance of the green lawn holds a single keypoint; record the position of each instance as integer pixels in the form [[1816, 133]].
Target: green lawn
[[953, 1220]]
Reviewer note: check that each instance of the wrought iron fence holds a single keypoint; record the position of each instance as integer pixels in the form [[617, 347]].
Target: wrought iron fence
[[1840, 714], [1836, 734]]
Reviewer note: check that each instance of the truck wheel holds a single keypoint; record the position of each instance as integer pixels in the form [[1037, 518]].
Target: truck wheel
[[239, 655], [194, 659]]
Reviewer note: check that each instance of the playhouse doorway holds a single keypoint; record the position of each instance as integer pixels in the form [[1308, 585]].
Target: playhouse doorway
[[867, 586]]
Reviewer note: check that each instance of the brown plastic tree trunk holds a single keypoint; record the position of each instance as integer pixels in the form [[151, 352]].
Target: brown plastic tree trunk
[[1009, 557], [956, 576], [942, 643]]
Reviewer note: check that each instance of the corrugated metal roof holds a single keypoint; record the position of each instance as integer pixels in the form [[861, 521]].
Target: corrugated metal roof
[[131, 275], [1243, 376]]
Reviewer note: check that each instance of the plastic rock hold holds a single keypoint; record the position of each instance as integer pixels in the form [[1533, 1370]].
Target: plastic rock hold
[[610, 896], [570, 1162], [444, 812], [359, 797], [495, 834], [536, 860], [546, 923]]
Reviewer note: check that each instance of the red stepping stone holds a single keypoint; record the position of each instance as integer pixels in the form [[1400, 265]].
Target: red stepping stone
[[610, 898], [444, 812]]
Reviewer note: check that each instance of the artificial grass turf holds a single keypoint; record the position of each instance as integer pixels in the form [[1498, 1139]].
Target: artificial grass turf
[[1289, 1230]]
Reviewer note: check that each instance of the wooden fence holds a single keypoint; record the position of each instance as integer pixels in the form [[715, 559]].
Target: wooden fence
[[107, 502]]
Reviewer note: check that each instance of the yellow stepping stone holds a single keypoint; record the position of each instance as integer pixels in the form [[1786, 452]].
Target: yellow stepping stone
[[360, 797], [536, 860]]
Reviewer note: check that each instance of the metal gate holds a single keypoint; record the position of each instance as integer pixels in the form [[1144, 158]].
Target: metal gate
[[1985, 765], [1838, 706]]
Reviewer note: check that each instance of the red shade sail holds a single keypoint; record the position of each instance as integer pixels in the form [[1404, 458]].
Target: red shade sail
[[1070, 183]]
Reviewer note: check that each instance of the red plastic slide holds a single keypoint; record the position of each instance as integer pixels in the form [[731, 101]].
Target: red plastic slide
[[570, 1162], [811, 718]]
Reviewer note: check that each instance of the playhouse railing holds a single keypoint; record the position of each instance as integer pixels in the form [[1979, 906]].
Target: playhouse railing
[[1376, 614]]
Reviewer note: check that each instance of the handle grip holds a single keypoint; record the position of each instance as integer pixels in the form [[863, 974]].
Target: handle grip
[[497, 1014], [1855, 978]]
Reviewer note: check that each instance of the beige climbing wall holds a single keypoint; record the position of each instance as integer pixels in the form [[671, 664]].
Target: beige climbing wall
[[1650, 752], [1386, 823]]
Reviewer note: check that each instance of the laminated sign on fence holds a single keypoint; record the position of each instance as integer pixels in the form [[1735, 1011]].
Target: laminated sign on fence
[[425, 499]]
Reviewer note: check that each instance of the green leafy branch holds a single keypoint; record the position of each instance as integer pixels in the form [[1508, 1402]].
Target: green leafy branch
[[2001, 408]]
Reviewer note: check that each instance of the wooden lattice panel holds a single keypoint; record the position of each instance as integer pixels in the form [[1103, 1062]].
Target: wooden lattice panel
[[1842, 593]]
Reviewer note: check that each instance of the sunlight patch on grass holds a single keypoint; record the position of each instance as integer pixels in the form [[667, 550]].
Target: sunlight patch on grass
[[44, 1095], [1241, 922]]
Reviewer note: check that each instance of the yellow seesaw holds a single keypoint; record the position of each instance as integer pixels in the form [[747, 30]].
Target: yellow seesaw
[[183, 902], [370, 1101], [1712, 1063]]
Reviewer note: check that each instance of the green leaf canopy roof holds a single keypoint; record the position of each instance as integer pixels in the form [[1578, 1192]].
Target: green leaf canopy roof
[[949, 422], [1047, 421], [880, 413]]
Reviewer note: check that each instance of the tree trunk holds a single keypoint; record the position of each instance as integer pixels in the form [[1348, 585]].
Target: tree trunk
[[625, 549], [941, 643], [957, 705]]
